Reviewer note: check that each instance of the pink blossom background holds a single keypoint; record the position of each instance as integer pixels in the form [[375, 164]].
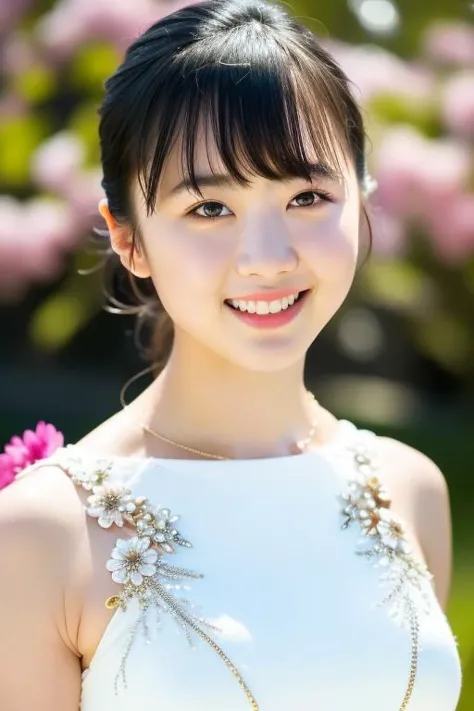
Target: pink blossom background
[[425, 182]]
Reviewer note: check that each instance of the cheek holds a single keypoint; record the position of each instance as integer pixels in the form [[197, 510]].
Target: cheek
[[186, 266]]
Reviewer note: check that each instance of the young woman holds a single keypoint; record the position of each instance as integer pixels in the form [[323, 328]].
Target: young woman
[[224, 542]]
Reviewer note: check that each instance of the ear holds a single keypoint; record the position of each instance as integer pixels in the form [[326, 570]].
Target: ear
[[121, 243]]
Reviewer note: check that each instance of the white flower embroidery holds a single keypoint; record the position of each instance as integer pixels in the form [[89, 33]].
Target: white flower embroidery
[[384, 538], [365, 492], [110, 504], [370, 521], [137, 564], [82, 475], [131, 560], [392, 533], [163, 518], [157, 525]]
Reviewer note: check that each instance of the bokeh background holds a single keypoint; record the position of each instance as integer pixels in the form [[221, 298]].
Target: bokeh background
[[398, 358]]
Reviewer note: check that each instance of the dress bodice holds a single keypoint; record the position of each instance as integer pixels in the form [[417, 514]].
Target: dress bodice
[[285, 583]]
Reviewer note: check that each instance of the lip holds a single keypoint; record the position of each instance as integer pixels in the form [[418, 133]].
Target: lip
[[272, 321], [269, 295]]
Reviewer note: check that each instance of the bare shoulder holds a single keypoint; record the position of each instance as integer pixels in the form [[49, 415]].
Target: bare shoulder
[[41, 527], [41, 497], [41, 522], [416, 467], [420, 494], [416, 481]]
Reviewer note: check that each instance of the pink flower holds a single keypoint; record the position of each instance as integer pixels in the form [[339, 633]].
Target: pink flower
[[56, 161], [458, 103], [450, 43], [375, 71], [6, 471], [451, 226], [72, 22], [22, 451], [18, 54], [388, 231], [10, 13], [415, 173], [35, 235]]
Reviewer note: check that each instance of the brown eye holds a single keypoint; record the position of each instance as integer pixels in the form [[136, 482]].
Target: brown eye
[[211, 209], [306, 199], [310, 198]]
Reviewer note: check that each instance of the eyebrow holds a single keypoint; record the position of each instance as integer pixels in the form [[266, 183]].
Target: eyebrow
[[222, 180]]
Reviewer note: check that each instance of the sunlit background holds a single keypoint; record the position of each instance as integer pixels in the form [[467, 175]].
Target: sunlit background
[[400, 355]]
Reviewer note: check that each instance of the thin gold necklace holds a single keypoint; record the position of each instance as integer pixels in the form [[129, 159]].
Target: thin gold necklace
[[302, 444]]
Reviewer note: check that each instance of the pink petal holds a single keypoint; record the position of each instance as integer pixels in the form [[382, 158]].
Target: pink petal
[[16, 441], [34, 445], [40, 428], [7, 471], [6, 479], [29, 438], [19, 457], [16, 450], [51, 438]]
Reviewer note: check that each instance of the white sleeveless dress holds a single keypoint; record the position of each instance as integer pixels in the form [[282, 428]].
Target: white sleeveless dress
[[285, 610]]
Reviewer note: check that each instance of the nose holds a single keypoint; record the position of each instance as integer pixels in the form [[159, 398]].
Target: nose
[[266, 252]]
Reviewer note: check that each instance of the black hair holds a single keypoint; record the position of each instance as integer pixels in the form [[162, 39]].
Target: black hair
[[253, 77]]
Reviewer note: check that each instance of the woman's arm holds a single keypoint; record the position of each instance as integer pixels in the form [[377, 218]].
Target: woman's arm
[[39, 533]]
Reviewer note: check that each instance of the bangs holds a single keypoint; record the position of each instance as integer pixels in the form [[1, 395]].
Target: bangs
[[263, 108]]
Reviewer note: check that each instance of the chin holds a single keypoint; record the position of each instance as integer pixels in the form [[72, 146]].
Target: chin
[[270, 357]]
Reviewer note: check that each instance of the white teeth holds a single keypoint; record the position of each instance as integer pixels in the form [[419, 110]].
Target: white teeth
[[264, 308]]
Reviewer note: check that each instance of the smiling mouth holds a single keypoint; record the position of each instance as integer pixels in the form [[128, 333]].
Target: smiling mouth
[[267, 308]]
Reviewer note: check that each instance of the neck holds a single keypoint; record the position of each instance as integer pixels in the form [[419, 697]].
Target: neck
[[207, 403]]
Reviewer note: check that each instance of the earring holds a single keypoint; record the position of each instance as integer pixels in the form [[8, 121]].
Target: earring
[[369, 185]]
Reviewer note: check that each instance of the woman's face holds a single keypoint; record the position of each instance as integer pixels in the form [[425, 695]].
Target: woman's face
[[228, 267]]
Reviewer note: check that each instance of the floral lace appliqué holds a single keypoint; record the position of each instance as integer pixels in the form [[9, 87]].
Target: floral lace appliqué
[[137, 563], [405, 578]]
